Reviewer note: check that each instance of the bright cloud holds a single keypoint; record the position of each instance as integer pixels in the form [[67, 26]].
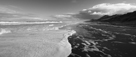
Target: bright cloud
[[62, 16], [111, 9], [11, 13]]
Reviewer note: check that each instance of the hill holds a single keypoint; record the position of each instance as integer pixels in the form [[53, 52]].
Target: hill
[[86, 15], [128, 19]]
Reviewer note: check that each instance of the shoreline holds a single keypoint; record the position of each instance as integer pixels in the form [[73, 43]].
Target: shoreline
[[34, 44]]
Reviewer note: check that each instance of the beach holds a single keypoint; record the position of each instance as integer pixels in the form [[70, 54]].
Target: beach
[[34, 41]]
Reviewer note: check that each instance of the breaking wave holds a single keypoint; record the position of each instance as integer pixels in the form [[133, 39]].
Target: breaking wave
[[4, 31], [19, 23]]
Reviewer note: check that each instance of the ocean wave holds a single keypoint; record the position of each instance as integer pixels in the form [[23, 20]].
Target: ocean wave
[[4, 31], [19, 23]]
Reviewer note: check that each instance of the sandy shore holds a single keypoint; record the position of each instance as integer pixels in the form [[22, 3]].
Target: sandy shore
[[52, 43]]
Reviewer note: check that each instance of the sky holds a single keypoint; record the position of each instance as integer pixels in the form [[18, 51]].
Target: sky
[[46, 8]]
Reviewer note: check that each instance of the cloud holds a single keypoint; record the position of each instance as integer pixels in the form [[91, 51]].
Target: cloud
[[62, 16], [9, 13], [111, 9], [65, 15], [6, 10], [10, 9]]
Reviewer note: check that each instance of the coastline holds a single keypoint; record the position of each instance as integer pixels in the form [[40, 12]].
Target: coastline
[[34, 44]]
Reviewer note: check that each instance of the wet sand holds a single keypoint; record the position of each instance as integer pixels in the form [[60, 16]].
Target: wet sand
[[103, 40]]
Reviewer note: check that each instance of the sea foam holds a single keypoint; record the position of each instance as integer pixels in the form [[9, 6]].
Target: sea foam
[[19, 23], [4, 31]]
